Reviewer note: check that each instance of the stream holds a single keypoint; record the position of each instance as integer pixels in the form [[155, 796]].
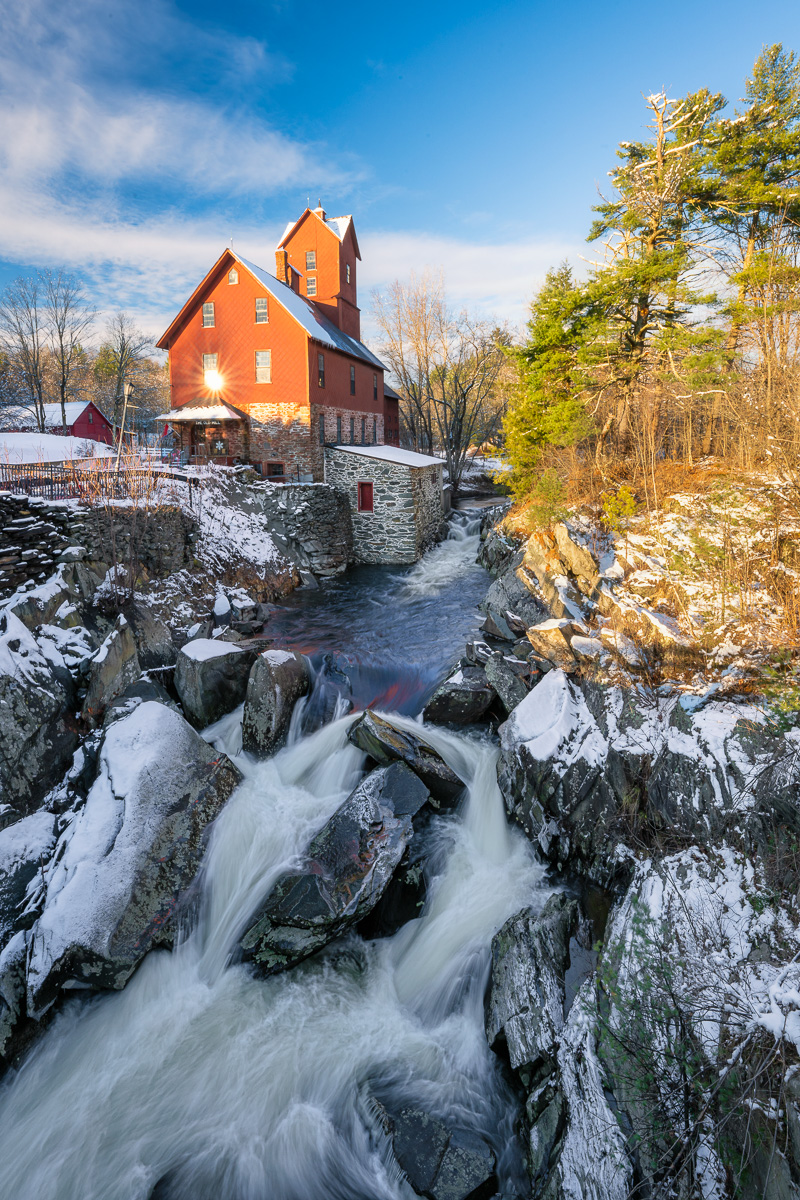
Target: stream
[[201, 1081]]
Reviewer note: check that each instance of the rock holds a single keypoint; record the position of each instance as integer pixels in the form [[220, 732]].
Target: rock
[[222, 611], [505, 681], [37, 737], [462, 698], [12, 993], [525, 1003], [588, 649], [135, 694], [579, 561], [555, 771], [541, 571], [551, 640], [386, 744], [495, 625], [111, 670], [211, 678], [497, 550], [25, 848], [440, 1162], [153, 637], [510, 599], [127, 862], [478, 651], [347, 867], [278, 678]]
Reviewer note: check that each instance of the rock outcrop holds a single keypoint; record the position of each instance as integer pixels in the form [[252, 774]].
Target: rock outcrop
[[113, 668], [439, 1161], [277, 680], [347, 867], [211, 678], [127, 860], [385, 743]]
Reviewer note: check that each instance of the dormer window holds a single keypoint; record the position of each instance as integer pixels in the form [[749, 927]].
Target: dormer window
[[311, 286], [262, 310], [311, 260], [347, 271], [208, 315], [233, 275]]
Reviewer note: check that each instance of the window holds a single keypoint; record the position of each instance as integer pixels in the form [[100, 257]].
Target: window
[[347, 272], [262, 312], [365, 497], [311, 260], [90, 415], [274, 469], [210, 369], [321, 370], [352, 431], [263, 366], [322, 429], [352, 381], [208, 315], [339, 430], [311, 286], [363, 431], [374, 432], [233, 275], [374, 387]]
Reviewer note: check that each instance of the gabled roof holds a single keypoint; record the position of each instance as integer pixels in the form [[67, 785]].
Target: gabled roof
[[337, 225], [395, 454], [24, 418]]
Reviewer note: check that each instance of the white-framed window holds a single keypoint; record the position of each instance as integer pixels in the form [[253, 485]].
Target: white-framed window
[[233, 275], [311, 286], [263, 366], [208, 315], [347, 271], [210, 368], [311, 260], [262, 310]]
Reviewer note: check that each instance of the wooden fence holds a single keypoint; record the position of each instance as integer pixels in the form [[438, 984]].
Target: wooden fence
[[61, 481]]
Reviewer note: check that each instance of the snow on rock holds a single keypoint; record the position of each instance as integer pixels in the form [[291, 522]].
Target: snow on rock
[[277, 680], [211, 678], [113, 668], [25, 847], [126, 860], [36, 735]]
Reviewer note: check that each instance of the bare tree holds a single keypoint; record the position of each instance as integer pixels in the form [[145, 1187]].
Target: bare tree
[[125, 348], [68, 320], [447, 365], [23, 336]]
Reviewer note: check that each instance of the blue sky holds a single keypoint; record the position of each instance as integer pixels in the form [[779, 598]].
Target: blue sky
[[137, 137]]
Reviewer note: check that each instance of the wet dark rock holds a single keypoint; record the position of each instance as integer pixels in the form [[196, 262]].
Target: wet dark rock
[[278, 678], [153, 637], [463, 698], [439, 1161], [211, 678], [347, 867], [25, 848], [506, 681], [113, 668], [125, 866], [383, 742], [525, 1001], [510, 601], [37, 735], [495, 625], [135, 694]]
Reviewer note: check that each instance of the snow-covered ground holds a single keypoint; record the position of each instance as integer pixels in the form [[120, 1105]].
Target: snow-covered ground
[[49, 448]]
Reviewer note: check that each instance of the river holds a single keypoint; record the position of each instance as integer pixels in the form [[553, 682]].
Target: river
[[200, 1081]]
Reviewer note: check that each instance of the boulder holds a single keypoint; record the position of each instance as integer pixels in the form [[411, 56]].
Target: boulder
[[125, 865], [509, 598], [135, 694], [37, 735], [440, 1162], [25, 848], [154, 645], [111, 670], [506, 681], [525, 1002], [278, 678], [543, 574], [347, 867], [211, 678], [462, 698], [578, 560], [13, 959], [385, 743], [551, 640]]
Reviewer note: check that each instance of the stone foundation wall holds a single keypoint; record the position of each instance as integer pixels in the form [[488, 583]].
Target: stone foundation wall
[[407, 511], [311, 521], [35, 532]]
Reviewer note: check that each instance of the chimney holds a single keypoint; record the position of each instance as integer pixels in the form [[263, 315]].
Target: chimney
[[319, 210], [282, 265], [293, 278]]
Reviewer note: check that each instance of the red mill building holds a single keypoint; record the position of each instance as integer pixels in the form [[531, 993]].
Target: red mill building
[[267, 369]]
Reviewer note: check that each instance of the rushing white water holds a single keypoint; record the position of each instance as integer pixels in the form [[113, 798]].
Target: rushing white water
[[446, 561], [205, 1082]]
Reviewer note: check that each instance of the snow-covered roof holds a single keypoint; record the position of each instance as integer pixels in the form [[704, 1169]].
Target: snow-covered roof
[[316, 326], [395, 454], [200, 412], [49, 448], [24, 418], [337, 225]]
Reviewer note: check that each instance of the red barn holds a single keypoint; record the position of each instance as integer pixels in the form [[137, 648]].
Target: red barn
[[267, 369], [84, 420]]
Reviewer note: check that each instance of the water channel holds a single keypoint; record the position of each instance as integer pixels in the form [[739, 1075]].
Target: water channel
[[201, 1081]]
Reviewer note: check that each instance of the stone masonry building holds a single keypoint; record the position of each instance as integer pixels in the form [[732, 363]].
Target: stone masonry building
[[395, 496]]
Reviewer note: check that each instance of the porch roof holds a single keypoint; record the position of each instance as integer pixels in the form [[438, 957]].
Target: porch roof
[[198, 412]]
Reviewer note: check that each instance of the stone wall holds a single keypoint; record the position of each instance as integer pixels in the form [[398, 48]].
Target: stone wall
[[407, 503], [35, 532], [311, 522]]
